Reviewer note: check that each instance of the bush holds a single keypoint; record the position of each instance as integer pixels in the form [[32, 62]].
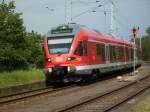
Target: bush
[[20, 77]]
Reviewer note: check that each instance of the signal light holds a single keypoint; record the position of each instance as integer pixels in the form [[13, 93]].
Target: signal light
[[49, 60], [70, 58], [134, 31]]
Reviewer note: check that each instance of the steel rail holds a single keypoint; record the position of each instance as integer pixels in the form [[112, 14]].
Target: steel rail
[[78, 105], [127, 99], [29, 94], [33, 93], [19, 93]]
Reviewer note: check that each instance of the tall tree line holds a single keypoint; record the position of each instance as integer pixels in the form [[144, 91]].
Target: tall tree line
[[145, 45], [18, 48]]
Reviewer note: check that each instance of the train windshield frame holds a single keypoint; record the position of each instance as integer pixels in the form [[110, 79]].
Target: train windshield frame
[[59, 44]]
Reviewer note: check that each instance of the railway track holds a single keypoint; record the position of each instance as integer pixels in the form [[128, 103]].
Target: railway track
[[30, 94], [110, 100], [98, 99], [10, 99]]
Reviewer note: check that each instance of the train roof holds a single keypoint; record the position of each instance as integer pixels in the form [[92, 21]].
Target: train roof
[[63, 29], [95, 35]]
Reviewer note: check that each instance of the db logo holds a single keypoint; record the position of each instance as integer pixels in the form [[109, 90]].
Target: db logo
[[58, 59]]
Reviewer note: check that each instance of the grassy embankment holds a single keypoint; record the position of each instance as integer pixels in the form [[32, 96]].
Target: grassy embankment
[[142, 106], [20, 77]]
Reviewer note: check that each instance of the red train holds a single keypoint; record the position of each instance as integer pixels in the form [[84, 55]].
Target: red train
[[74, 52]]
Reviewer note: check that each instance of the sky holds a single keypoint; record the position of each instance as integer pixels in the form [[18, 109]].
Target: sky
[[41, 15]]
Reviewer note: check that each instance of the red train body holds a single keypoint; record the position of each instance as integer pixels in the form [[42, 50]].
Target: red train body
[[74, 52]]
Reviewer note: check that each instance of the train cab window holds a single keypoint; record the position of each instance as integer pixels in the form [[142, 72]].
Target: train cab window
[[59, 44], [81, 49]]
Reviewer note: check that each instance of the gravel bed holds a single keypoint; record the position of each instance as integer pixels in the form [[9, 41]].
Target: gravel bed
[[101, 104]]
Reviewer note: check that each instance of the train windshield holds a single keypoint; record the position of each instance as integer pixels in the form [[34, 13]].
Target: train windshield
[[60, 44]]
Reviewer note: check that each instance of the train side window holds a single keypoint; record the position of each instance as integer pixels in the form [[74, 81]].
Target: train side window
[[98, 49], [115, 53], [127, 53], [81, 49], [111, 52], [107, 53], [121, 53], [103, 52], [84, 48]]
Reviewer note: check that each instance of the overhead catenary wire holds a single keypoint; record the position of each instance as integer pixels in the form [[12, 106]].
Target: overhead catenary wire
[[93, 9], [123, 25], [122, 21], [84, 12]]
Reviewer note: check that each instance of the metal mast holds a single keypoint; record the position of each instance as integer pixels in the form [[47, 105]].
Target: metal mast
[[112, 18], [3, 1], [68, 11]]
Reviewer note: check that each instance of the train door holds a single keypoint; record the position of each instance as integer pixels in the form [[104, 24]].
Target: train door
[[91, 53], [107, 53]]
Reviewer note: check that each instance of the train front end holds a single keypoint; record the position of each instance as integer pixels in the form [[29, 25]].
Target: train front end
[[59, 47]]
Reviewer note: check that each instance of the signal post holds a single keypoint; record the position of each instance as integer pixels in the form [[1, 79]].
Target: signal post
[[134, 32]]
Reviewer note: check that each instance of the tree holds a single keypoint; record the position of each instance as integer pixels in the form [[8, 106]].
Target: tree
[[145, 45], [34, 41], [13, 50], [148, 31], [18, 49]]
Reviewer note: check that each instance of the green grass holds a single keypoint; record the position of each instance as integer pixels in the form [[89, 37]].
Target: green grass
[[20, 77], [142, 106]]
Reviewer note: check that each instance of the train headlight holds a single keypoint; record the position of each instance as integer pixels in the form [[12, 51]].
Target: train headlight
[[70, 58], [49, 60]]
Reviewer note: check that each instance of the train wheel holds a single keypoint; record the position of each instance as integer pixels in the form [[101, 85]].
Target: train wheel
[[47, 81], [94, 74], [85, 79]]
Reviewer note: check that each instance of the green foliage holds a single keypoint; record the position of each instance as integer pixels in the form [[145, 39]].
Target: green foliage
[[146, 48], [20, 77], [35, 47], [12, 37], [145, 43], [141, 106], [18, 49], [148, 31]]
